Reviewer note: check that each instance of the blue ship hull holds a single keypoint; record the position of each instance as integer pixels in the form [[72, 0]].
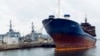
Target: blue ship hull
[[68, 34]]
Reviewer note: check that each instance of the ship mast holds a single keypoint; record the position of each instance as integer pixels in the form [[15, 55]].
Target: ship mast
[[32, 27], [10, 26], [58, 8], [85, 19]]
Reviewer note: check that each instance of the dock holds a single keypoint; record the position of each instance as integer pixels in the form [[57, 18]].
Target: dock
[[24, 45]]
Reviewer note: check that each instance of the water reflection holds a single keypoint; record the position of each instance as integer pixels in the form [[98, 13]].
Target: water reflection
[[29, 52], [89, 52], [48, 52]]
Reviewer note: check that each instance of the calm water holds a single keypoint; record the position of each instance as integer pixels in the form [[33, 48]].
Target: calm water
[[51, 52]]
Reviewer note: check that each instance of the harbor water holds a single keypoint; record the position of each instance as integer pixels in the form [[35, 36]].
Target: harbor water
[[51, 52]]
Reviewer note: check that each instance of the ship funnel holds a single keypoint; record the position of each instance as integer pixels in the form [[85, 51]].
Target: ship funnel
[[51, 17], [66, 16]]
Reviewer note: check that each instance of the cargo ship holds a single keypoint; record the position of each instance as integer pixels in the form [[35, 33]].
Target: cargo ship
[[68, 34]]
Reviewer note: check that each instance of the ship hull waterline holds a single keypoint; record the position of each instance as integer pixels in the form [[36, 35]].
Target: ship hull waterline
[[71, 42]]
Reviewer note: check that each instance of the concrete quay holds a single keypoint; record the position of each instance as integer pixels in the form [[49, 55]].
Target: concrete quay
[[23, 45]]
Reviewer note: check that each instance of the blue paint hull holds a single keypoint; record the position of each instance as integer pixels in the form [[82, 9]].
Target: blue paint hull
[[66, 33]]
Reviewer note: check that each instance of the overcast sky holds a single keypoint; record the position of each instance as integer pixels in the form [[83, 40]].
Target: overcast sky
[[24, 12]]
